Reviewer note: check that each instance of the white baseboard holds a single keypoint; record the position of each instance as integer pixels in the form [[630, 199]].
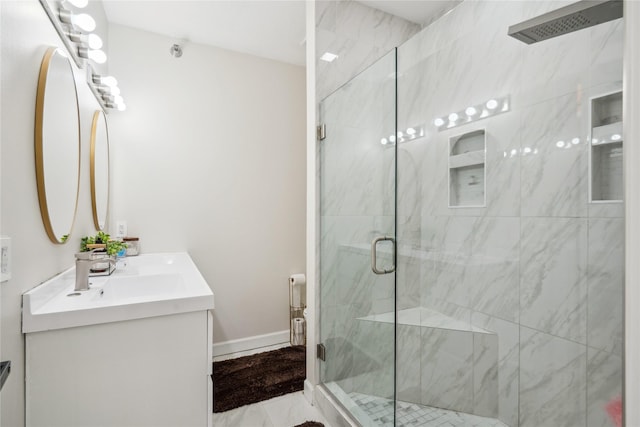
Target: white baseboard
[[280, 338], [308, 391]]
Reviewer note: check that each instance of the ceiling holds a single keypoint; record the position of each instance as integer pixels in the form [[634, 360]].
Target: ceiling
[[273, 29]]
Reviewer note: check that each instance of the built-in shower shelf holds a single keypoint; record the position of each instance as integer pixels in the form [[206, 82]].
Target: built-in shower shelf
[[606, 148], [607, 134], [467, 169], [425, 318], [471, 158]]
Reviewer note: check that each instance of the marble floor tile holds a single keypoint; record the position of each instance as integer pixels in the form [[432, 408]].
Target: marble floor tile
[[380, 412], [284, 411]]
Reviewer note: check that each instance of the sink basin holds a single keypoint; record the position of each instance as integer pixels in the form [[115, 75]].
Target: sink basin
[[140, 288], [150, 285]]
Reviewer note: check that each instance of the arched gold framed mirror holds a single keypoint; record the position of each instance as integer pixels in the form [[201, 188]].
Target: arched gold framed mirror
[[99, 170], [57, 144]]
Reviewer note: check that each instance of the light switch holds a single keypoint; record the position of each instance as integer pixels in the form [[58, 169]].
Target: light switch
[[5, 258]]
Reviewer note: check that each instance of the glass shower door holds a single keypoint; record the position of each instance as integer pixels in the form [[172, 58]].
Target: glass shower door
[[357, 245]]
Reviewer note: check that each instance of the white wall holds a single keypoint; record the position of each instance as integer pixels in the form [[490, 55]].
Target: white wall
[[25, 34], [210, 158]]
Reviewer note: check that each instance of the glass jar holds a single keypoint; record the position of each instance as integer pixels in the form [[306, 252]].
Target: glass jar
[[133, 245]]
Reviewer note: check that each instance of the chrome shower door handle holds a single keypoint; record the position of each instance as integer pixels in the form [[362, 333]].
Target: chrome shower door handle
[[374, 254]]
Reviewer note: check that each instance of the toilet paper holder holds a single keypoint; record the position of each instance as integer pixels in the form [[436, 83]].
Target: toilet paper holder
[[297, 304]]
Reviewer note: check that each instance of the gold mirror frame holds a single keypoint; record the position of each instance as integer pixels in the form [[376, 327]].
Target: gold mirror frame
[[97, 116], [45, 67]]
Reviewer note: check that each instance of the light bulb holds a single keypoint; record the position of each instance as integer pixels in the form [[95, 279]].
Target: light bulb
[[97, 56], [453, 117], [118, 99], [560, 144], [109, 81], [438, 122], [80, 4], [575, 141], [492, 104], [384, 141], [83, 21], [470, 111], [616, 137], [411, 131], [94, 40], [122, 107], [114, 90]]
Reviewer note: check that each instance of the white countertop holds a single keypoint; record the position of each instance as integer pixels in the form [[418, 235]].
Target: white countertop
[[150, 285]]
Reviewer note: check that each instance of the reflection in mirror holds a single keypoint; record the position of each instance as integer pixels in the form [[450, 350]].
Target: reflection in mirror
[[99, 169], [57, 144]]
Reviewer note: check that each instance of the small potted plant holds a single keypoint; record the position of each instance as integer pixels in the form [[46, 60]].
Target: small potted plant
[[103, 247]]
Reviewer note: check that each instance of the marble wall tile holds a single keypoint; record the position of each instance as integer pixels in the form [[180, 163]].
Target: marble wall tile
[[408, 279], [552, 381], [326, 15], [554, 179], [451, 247], [434, 168], [447, 369], [605, 278], [373, 359], [359, 35], [408, 384], [416, 85], [336, 232], [340, 346], [553, 286], [606, 52], [492, 272], [353, 169], [557, 66], [502, 165], [604, 385], [485, 375], [409, 182], [508, 374]]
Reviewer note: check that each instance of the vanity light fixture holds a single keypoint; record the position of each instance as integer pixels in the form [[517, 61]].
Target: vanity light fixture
[[80, 4], [82, 21], [409, 134], [108, 81], [76, 32], [96, 55], [472, 113], [92, 40]]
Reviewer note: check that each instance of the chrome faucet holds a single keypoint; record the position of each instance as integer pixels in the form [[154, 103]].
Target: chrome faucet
[[84, 261]]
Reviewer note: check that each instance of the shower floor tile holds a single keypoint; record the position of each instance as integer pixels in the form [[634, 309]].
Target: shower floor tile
[[411, 415]]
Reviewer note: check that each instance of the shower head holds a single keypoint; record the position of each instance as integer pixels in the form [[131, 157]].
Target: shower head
[[576, 16]]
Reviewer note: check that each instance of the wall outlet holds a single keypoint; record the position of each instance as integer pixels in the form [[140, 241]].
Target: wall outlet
[[5, 258], [121, 229]]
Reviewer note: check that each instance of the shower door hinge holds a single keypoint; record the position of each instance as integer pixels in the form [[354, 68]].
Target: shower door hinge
[[321, 352], [321, 132]]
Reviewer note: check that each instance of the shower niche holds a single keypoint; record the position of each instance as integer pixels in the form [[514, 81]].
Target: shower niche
[[467, 169], [605, 148]]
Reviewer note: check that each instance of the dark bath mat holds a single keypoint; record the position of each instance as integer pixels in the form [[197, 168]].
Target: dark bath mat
[[310, 424], [251, 379]]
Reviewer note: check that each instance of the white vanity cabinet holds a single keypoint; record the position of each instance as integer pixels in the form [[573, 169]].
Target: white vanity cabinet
[[151, 368], [145, 372]]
